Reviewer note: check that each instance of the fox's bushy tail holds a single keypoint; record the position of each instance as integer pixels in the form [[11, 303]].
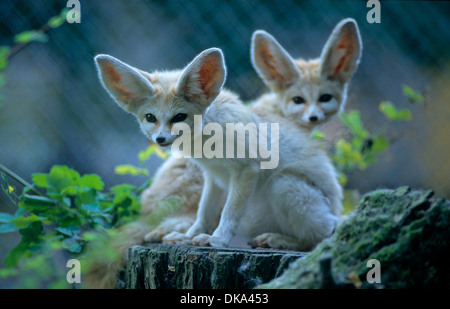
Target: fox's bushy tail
[[109, 255]]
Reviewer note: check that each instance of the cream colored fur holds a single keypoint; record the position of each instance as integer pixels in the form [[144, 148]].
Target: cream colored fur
[[302, 189], [182, 178], [310, 80]]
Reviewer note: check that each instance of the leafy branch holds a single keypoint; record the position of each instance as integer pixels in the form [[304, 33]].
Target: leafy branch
[[363, 147], [23, 39]]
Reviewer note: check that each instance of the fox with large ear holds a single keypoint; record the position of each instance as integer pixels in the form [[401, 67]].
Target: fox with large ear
[[308, 92], [294, 203], [161, 99]]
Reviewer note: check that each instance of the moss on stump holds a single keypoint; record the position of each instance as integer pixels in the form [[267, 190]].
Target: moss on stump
[[408, 232]]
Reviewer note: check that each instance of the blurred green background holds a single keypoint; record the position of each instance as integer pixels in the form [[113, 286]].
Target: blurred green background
[[53, 110]]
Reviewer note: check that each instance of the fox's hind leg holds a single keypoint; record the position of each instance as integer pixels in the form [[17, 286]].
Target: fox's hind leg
[[279, 241], [176, 224], [303, 213]]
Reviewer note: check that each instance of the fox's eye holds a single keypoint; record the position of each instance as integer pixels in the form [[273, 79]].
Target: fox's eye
[[298, 100], [150, 118], [325, 98], [179, 117]]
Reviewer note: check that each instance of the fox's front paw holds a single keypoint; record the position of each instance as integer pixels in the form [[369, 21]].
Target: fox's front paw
[[204, 240], [177, 238]]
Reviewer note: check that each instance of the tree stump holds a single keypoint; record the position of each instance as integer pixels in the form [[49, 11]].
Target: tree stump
[[393, 239]]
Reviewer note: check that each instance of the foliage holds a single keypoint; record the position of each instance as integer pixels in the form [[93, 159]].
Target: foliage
[[26, 37], [412, 95], [130, 169], [152, 149], [64, 218], [73, 215], [362, 148], [389, 110], [143, 156], [72, 204]]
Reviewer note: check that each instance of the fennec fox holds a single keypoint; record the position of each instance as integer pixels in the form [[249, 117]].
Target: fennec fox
[[307, 93], [182, 178], [297, 200], [301, 188]]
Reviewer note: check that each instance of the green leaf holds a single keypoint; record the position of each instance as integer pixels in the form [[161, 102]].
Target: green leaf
[[91, 236], [72, 245], [152, 149], [8, 227], [62, 177], [70, 190], [41, 200], [391, 113], [388, 109], [412, 96], [380, 143], [65, 231], [4, 52], [342, 178], [56, 21], [19, 212], [16, 254], [8, 272], [36, 203], [93, 208], [351, 200], [123, 187], [40, 180], [22, 222], [146, 154], [29, 36], [352, 120], [86, 197], [130, 169], [317, 134], [92, 181], [4, 217], [347, 157]]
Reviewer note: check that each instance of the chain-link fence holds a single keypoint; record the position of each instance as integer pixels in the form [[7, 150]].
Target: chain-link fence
[[54, 111]]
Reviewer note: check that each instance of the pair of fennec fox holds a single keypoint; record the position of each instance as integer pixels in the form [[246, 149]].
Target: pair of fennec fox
[[293, 206]]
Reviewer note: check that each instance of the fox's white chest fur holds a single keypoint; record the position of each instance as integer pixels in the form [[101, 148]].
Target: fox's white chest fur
[[300, 196]]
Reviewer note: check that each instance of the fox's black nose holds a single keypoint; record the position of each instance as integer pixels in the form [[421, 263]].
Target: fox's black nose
[[313, 118], [160, 140]]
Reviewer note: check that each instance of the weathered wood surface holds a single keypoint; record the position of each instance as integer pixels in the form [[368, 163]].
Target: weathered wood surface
[[160, 266]]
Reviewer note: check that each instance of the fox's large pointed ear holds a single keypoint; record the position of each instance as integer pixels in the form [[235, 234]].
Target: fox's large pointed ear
[[203, 78], [342, 52], [272, 62], [126, 85]]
